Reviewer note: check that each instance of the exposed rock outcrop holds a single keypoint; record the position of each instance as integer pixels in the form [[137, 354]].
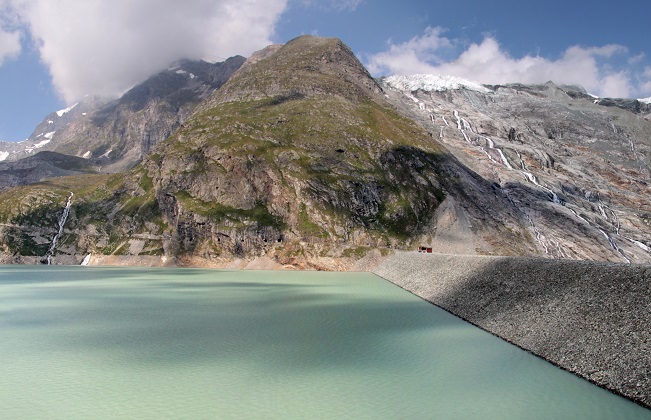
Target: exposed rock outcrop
[[574, 173]]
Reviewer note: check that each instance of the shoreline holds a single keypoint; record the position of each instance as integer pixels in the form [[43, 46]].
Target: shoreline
[[342, 264]]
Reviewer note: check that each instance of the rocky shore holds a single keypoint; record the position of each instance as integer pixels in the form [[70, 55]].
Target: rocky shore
[[365, 262], [589, 318]]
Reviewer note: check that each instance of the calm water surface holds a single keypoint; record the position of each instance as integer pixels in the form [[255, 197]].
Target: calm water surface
[[85, 342]]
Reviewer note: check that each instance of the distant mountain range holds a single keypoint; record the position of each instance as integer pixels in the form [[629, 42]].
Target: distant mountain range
[[298, 154], [120, 132]]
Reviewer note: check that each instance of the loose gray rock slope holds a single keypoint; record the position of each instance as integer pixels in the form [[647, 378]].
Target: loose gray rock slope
[[587, 317], [574, 170]]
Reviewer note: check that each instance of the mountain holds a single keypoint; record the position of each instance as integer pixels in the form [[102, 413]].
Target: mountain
[[41, 166], [121, 132], [297, 148], [574, 168], [299, 156]]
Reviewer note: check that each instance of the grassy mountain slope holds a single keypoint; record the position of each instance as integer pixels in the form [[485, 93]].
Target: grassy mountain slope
[[297, 148], [297, 155]]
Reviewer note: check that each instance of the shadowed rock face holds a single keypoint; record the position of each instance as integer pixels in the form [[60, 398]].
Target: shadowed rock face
[[574, 172], [41, 166]]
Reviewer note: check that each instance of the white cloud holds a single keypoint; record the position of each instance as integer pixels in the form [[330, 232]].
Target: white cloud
[[487, 62], [9, 35], [342, 5], [102, 47], [617, 85], [646, 82], [330, 5], [637, 58], [9, 45], [411, 57]]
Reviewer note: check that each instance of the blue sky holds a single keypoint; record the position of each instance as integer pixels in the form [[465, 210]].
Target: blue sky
[[53, 52]]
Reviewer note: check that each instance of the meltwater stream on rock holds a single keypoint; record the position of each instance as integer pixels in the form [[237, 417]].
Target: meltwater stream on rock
[[61, 224], [88, 342]]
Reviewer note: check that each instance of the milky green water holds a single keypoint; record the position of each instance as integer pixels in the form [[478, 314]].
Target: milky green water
[[84, 342]]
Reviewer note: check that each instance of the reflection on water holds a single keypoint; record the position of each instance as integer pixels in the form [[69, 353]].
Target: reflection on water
[[81, 342]]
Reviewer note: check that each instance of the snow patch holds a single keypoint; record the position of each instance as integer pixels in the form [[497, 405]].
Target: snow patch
[[212, 60], [105, 155], [433, 83], [192, 76], [41, 143], [87, 155], [646, 100], [49, 135], [3, 156], [63, 111], [50, 122]]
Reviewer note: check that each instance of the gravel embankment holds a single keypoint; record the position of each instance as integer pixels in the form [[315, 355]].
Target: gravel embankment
[[591, 318]]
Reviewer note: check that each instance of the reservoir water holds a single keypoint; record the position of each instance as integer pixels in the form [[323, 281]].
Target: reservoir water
[[86, 342]]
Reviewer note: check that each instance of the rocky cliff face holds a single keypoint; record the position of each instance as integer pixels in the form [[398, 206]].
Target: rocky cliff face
[[301, 154], [574, 170]]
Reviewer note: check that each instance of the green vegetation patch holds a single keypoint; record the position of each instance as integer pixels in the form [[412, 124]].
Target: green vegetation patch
[[307, 227], [217, 212]]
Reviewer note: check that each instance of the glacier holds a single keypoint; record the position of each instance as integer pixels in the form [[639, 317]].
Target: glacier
[[433, 83]]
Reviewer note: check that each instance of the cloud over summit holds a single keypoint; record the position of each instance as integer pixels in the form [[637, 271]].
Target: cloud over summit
[[103, 47], [487, 62]]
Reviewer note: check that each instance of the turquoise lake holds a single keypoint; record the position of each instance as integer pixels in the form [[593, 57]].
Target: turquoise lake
[[86, 342]]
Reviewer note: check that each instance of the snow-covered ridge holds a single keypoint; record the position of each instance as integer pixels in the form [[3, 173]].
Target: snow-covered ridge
[[432, 83], [646, 100], [63, 111]]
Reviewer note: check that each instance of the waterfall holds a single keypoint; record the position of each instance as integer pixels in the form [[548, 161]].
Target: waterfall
[[86, 260], [62, 222]]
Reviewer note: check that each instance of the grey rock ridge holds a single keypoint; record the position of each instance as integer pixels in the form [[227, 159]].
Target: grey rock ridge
[[43, 165], [589, 318], [572, 169], [117, 134]]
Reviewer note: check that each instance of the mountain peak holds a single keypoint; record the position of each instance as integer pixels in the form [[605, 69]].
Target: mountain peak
[[308, 65]]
